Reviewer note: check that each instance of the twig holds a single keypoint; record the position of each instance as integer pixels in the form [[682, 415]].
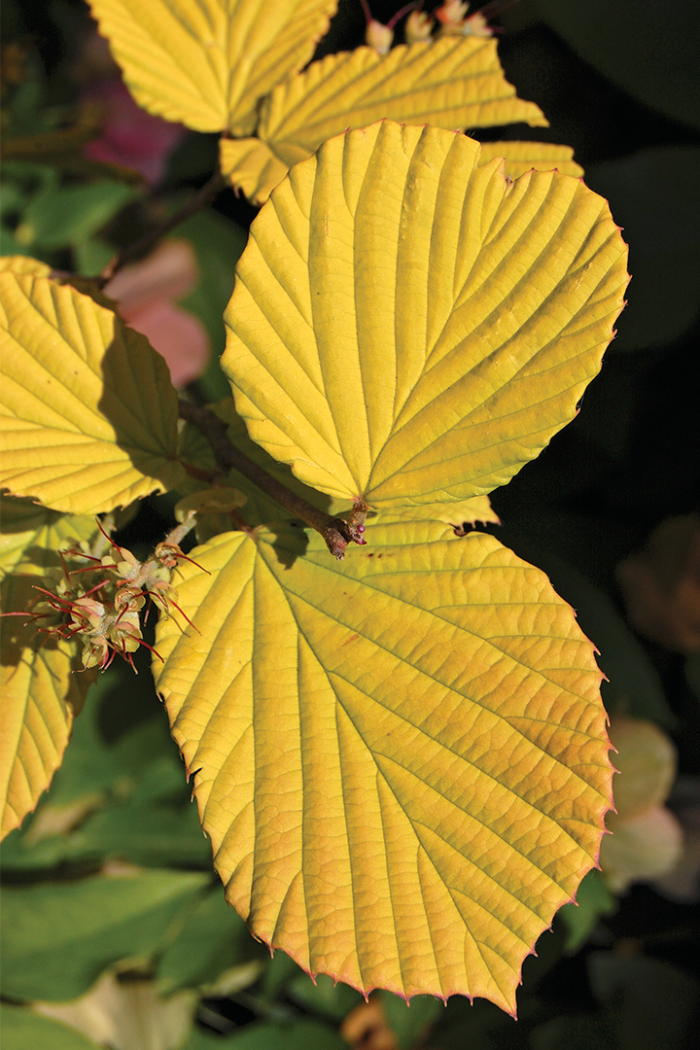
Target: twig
[[207, 192], [336, 531]]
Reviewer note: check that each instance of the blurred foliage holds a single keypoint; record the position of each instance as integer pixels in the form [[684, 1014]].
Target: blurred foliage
[[112, 871]]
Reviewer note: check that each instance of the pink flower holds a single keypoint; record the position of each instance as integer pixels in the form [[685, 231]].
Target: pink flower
[[145, 294]]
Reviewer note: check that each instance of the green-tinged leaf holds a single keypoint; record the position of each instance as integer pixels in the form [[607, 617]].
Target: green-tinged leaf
[[298, 1035], [213, 939], [593, 900], [89, 415], [126, 800], [410, 328], [208, 64], [39, 689], [23, 1029], [323, 996], [453, 83], [400, 759], [92, 255], [58, 937], [410, 1021], [67, 215]]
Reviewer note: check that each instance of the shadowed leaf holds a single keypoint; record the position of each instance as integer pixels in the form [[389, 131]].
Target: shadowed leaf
[[39, 691], [88, 413]]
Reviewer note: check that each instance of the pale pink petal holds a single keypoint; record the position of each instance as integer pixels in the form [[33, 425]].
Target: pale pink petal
[[176, 334], [169, 272]]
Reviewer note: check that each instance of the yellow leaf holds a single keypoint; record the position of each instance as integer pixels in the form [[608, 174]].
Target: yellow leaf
[[208, 63], [88, 415], [523, 156], [23, 264], [402, 759], [453, 83], [408, 327], [39, 691], [251, 166]]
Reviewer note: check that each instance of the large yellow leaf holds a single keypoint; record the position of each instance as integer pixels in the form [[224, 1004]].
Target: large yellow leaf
[[88, 415], [208, 63], [39, 691], [453, 83], [254, 169], [401, 759], [408, 327]]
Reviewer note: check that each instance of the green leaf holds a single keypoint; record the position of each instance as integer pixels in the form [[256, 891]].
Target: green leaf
[[213, 939], [92, 255], [68, 215], [58, 937], [40, 690], [208, 64], [410, 328], [400, 759], [452, 83], [323, 996], [593, 899], [89, 415], [23, 1029], [299, 1035], [409, 1021]]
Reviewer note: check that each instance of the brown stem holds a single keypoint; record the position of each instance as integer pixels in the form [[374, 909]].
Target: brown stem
[[336, 532], [139, 247]]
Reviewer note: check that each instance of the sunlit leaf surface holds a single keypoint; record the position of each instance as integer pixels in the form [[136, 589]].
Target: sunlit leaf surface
[[453, 83], [88, 413], [252, 167], [408, 327], [23, 264], [208, 63], [39, 692], [400, 759], [521, 157]]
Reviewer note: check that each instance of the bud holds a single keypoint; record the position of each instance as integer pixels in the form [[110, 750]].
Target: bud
[[451, 12], [379, 36], [418, 27], [453, 22]]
